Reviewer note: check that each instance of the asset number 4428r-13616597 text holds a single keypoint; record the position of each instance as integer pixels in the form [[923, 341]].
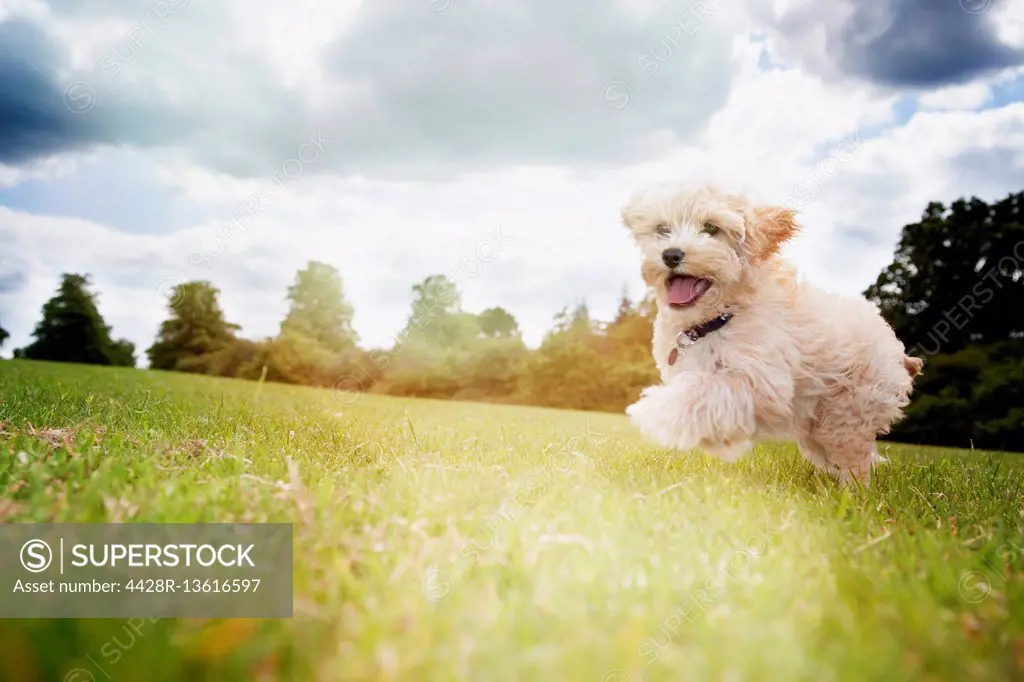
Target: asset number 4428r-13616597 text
[[158, 585]]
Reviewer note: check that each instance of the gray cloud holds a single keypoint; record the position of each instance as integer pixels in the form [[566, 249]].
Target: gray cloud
[[979, 167], [899, 43], [44, 113], [407, 93], [33, 120], [493, 83], [12, 282]]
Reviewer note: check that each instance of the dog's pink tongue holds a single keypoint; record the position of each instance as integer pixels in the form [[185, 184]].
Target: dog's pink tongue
[[686, 289]]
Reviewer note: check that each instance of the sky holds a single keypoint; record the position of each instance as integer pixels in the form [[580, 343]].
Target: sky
[[150, 143]]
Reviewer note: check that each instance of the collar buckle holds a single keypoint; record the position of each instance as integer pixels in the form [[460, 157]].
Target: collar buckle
[[688, 337], [685, 339]]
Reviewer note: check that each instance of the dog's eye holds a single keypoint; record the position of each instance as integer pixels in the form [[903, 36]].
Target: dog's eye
[[711, 229], [662, 230]]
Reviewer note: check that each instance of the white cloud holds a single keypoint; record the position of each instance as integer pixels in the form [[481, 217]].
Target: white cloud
[[969, 96], [49, 168], [1008, 18]]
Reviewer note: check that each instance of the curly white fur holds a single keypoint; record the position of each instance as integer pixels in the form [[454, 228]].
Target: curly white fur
[[794, 362]]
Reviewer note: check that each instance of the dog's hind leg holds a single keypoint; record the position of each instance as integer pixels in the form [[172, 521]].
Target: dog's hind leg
[[848, 445], [859, 472], [814, 453]]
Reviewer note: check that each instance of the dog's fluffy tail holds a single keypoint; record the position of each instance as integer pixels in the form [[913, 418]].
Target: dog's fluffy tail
[[913, 365]]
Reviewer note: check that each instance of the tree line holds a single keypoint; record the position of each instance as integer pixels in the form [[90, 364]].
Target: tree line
[[953, 293], [442, 351]]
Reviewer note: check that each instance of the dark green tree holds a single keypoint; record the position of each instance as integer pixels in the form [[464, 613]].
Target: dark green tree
[[122, 352], [3, 336], [955, 279], [195, 328], [954, 295], [72, 329], [319, 311]]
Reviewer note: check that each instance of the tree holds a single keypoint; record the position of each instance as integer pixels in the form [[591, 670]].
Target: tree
[[240, 359], [446, 352], [492, 370], [972, 397], [577, 323], [626, 309], [437, 319], [953, 293], [72, 329], [956, 275], [434, 297], [319, 311], [498, 323], [569, 370], [584, 364], [632, 330], [195, 328], [122, 352], [3, 336]]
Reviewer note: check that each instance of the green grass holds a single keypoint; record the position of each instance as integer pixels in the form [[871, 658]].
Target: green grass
[[444, 541]]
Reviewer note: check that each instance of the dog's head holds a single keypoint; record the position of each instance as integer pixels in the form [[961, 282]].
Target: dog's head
[[700, 246]]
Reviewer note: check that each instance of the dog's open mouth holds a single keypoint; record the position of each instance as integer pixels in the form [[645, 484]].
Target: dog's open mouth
[[684, 290]]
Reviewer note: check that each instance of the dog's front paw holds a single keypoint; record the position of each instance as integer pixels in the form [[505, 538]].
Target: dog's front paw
[[659, 415]]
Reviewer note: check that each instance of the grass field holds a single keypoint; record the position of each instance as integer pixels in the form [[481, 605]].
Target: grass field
[[458, 541]]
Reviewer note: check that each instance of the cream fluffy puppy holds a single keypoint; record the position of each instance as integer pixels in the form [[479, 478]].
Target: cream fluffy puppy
[[747, 351]]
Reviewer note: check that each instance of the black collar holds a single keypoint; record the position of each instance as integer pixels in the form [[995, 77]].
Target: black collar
[[688, 337]]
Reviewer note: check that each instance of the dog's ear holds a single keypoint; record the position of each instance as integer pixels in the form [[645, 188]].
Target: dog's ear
[[632, 213], [771, 227]]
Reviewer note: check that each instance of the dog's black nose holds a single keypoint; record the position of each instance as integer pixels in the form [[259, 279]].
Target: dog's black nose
[[672, 257]]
